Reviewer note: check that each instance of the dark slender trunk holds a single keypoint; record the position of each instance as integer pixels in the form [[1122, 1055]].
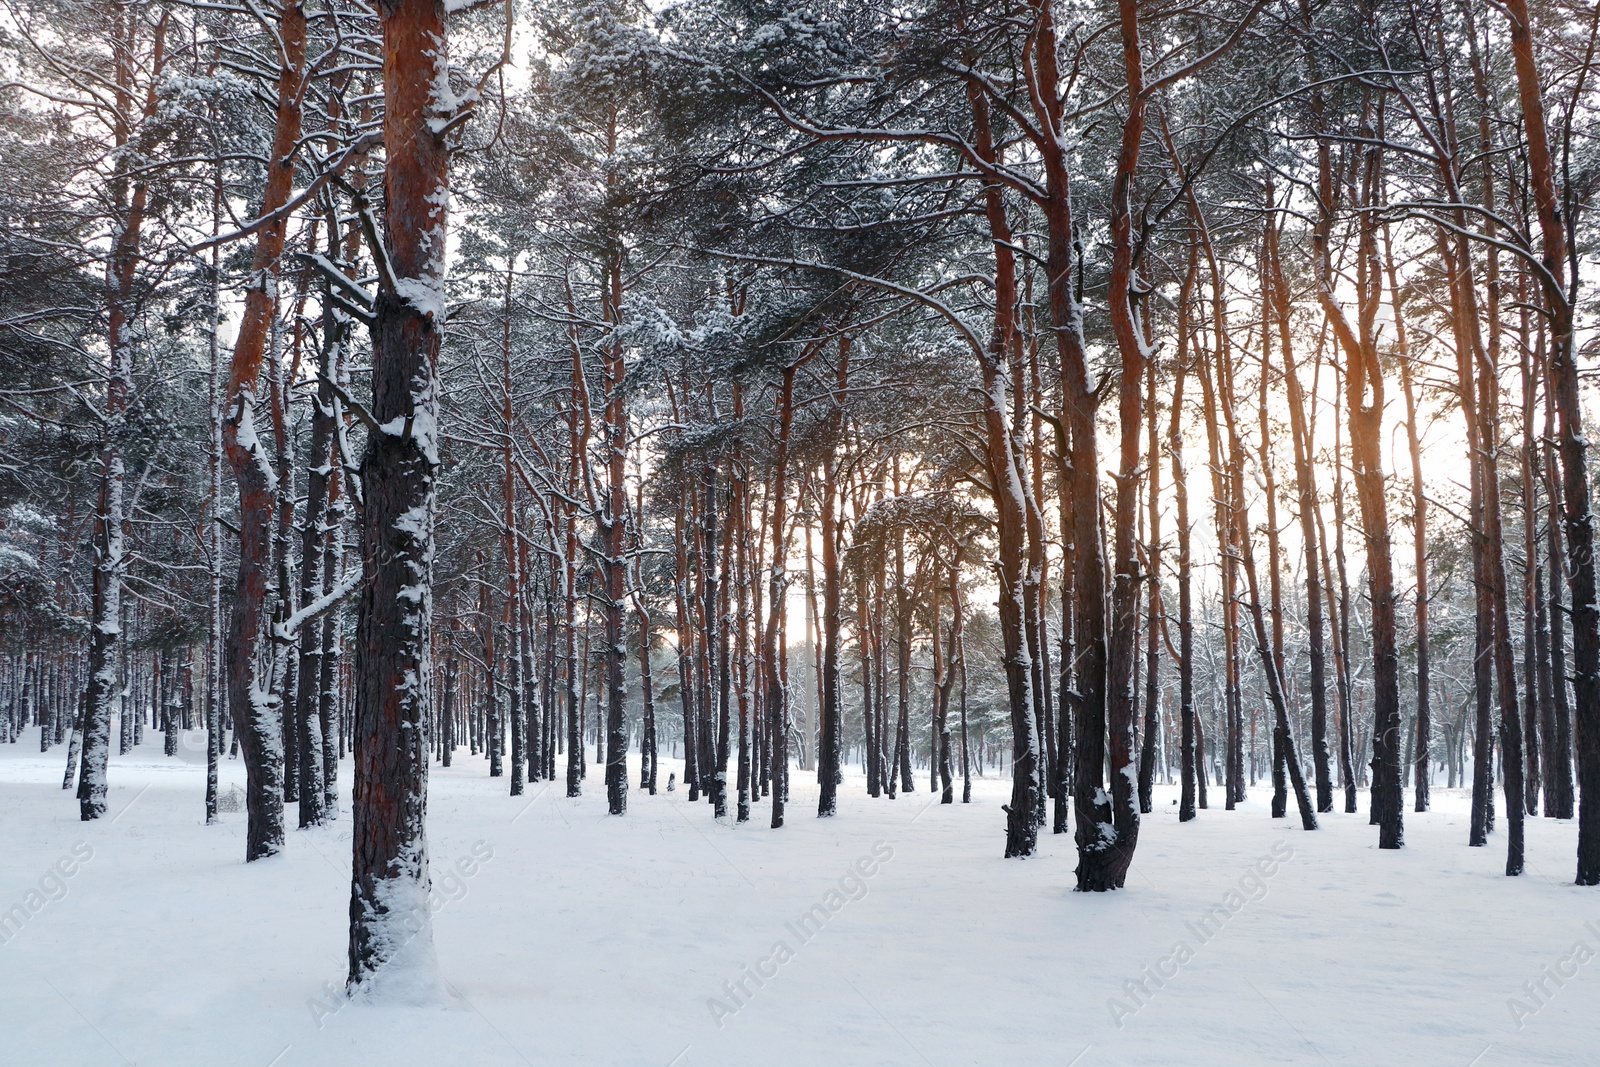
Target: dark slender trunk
[[1563, 382], [1152, 690], [1558, 801], [830, 731], [1364, 395], [774, 654]]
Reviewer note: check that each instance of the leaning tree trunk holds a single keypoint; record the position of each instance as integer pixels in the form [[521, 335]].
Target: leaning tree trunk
[[391, 937], [1305, 479], [1270, 651]]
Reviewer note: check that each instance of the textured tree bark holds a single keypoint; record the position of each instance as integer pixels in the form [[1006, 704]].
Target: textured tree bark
[[1558, 801], [1051, 774], [648, 765], [1419, 535], [613, 528], [945, 666], [718, 540], [1535, 638], [130, 199], [1563, 382], [830, 729], [1022, 358], [447, 713], [1305, 480], [872, 743], [739, 525], [391, 937], [1007, 489], [1189, 734], [1364, 397], [1212, 373], [285, 678], [214, 616], [1470, 396], [1280, 758], [533, 727], [510, 612], [252, 652], [1497, 592], [1108, 827], [903, 601], [777, 670], [578, 435], [319, 528], [685, 641], [1152, 691], [902, 741]]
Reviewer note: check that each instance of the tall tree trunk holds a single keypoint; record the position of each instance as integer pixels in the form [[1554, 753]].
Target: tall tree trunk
[[1270, 650], [252, 650], [1305, 480], [215, 677], [1563, 382], [830, 729], [1152, 690], [1419, 533], [739, 524], [774, 657], [1006, 482], [685, 643], [390, 918], [902, 609], [319, 528], [1558, 759], [1364, 398], [1188, 726], [1281, 760], [1108, 827], [612, 523], [130, 196], [872, 742]]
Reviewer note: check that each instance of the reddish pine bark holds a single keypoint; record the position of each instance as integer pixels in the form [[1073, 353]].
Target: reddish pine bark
[[390, 922]]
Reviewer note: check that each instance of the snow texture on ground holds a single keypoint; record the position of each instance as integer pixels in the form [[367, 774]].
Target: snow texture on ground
[[566, 936]]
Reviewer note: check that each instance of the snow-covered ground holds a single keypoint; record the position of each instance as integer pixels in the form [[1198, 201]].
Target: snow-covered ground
[[566, 936]]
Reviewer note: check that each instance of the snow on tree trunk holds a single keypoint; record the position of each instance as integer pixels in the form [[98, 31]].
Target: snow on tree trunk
[[391, 938], [252, 653], [131, 198]]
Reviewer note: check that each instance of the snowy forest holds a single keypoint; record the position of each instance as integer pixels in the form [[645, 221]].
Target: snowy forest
[[511, 497]]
